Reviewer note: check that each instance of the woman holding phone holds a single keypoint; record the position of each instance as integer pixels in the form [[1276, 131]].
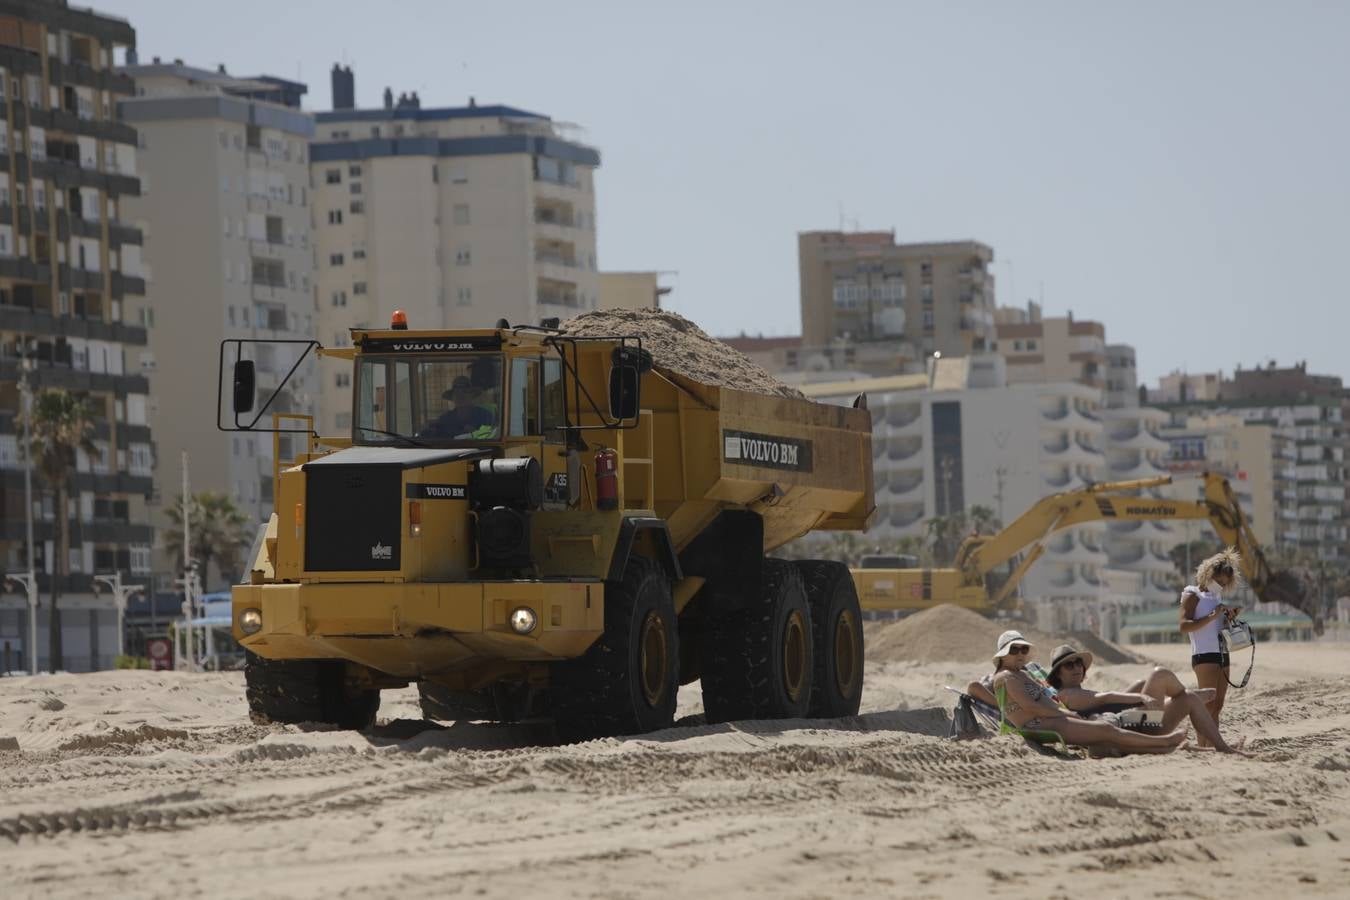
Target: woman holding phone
[[1203, 616]]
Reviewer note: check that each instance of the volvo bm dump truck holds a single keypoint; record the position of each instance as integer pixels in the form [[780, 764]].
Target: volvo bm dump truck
[[526, 523]]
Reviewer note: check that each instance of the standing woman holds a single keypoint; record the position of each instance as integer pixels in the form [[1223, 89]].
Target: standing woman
[[1203, 616]]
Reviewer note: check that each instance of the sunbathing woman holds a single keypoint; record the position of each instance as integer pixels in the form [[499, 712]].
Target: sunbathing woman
[[1161, 690], [1028, 706]]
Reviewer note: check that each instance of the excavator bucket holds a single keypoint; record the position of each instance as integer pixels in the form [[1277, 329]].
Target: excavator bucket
[[1285, 586]]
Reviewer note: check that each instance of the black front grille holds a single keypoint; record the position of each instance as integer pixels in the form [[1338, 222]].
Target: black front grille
[[353, 518]]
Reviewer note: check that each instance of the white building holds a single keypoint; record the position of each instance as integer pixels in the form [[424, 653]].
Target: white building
[[959, 437], [459, 216], [224, 161]]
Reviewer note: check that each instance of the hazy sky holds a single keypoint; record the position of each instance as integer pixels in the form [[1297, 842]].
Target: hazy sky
[[1175, 170]]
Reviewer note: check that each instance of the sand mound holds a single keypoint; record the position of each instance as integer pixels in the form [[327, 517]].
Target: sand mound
[[949, 633], [944, 633], [678, 345]]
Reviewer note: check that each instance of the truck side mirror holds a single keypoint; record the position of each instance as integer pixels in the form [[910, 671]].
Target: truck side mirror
[[245, 387], [623, 392]]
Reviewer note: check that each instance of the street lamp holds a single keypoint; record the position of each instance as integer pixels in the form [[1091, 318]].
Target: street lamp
[[28, 579], [121, 593], [29, 582]]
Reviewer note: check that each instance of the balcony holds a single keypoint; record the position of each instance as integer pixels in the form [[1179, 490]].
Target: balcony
[[900, 416], [1088, 446], [123, 285], [28, 321], [1055, 413], [904, 447], [905, 482], [1059, 481], [25, 270], [120, 233], [905, 514], [1056, 446], [87, 279]]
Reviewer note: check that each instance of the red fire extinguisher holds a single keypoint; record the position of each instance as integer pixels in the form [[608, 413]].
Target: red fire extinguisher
[[606, 479]]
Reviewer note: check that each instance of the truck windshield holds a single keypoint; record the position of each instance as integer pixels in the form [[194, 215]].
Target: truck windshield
[[428, 398]]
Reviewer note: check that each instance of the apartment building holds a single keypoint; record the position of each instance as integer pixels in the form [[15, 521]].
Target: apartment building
[[633, 290], [1183, 387], [1306, 415], [1053, 349], [459, 216], [71, 276], [1244, 453], [914, 299], [961, 436], [225, 161]]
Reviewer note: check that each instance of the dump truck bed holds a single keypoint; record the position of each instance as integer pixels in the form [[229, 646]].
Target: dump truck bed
[[800, 464]]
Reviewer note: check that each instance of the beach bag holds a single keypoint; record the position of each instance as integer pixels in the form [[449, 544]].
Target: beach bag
[[965, 725], [1238, 636]]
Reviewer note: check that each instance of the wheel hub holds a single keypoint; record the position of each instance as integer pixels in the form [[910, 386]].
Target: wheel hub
[[795, 643], [846, 668], [655, 661]]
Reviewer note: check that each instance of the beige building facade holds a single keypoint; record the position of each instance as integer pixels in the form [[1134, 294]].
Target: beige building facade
[[225, 161], [632, 290], [1053, 349], [458, 216], [917, 299], [71, 282]]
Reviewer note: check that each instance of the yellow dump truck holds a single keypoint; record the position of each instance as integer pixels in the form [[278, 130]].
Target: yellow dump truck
[[526, 523]]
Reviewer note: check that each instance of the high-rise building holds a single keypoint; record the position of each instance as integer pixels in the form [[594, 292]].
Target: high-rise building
[[226, 165], [1306, 415], [1053, 349], [918, 299], [632, 290], [71, 276], [961, 437], [459, 216]]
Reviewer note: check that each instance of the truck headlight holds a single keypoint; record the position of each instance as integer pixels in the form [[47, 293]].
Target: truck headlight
[[250, 621], [523, 620]]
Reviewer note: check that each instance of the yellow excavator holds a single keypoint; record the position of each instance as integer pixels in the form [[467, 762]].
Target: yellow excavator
[[968, 583]]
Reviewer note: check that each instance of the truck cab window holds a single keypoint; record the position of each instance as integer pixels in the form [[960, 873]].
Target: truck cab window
[[524, 406], [554, 400]]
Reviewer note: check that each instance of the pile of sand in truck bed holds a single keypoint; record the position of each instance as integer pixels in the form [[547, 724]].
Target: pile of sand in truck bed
[[678, 345], [950, 633]]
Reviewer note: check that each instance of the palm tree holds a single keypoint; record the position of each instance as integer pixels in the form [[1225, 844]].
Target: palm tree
[[220, 532], [59, 425]]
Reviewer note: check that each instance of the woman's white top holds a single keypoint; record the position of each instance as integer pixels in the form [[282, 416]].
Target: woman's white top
[[1206, 639]]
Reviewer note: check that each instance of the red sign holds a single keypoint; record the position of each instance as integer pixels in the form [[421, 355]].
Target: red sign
[[160, 651]]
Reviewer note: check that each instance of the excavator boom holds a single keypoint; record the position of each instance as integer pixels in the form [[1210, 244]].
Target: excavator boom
[[1117, 501]]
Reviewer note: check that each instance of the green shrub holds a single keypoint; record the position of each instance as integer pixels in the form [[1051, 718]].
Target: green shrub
[[131, 662]]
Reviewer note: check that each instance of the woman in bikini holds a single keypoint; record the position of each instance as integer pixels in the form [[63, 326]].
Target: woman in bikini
[[1030, 706], [1203, 616]]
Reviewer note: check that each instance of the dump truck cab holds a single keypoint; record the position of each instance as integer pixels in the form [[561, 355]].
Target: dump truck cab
[[507, 515]]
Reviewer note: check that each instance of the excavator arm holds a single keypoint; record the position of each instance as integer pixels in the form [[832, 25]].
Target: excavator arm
[[1118, 502]]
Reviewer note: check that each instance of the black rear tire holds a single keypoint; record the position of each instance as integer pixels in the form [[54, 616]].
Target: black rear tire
[[758, 661], [626, 683], [290, 691], [836, 620]]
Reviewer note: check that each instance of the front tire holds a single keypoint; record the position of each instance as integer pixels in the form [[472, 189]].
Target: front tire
[[758, 661], [626, 683], [291, 691], [836, 619]]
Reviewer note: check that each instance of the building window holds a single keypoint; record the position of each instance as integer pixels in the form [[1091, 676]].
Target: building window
[[344, 379], [463, 256], [1031, 345], [464, 296], [460, 214], [358, 253], [357, 207], [1017, 346], [335, 259], [333, 176], [335, 217], [928, 319], [359, 287], [339, 298], [355, 187], [354, 170]]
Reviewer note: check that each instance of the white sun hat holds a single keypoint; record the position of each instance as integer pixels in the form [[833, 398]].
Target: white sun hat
[[1006, 640]]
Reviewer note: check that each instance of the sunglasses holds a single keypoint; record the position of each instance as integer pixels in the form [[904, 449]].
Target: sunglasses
[[1073, 664], [1018, 649]]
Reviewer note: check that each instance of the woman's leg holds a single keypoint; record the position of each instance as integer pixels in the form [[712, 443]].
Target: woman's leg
[[1211, 676], [1091, 734]]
